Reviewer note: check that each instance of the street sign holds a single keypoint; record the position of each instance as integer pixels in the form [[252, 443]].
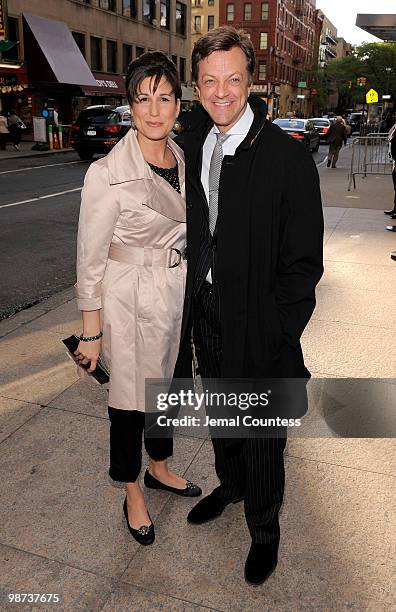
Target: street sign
[[300, 96], [371, 96], [314, 92], [302, 84], [386, 97], [2, 20]]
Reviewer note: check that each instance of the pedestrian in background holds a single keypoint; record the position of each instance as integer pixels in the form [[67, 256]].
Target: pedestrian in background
[[335, 138], [392, 154], [15, 126], [4, 132], [131, 278]]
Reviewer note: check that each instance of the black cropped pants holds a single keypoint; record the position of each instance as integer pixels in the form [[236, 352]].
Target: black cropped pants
[[126, 433]]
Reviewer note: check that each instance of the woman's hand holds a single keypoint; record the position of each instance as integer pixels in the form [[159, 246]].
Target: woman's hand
[[88, 352]]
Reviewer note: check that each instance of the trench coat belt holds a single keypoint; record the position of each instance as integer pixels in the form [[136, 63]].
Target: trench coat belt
[[145, 256]]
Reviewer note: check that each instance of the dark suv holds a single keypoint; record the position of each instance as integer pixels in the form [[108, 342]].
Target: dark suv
[[98, 129]]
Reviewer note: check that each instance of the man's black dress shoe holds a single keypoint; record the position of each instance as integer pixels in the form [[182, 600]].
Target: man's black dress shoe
[[209, 508], [390, 212], [191, 489], [260, 563], [145, 534]]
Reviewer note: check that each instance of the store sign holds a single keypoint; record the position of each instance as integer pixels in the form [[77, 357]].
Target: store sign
[[103, 83], [7, 79], [302, 84], [2, 19]]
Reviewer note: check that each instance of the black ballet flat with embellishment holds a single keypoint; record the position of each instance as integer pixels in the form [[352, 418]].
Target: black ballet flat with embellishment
[[191, 489], [145, 534]]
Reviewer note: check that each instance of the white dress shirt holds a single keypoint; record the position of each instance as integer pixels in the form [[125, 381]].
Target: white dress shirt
[[237, 134]]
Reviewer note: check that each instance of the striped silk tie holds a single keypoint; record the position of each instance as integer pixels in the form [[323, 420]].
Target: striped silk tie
[[214, 179]]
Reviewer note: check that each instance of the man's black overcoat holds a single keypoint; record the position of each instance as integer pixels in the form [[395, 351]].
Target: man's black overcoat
[[268, 247]]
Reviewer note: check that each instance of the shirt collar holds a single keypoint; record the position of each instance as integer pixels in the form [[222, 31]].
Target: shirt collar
[[242, 126]]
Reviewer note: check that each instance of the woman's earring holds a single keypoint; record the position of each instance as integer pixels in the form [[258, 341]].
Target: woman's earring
[[133, 126], [177, 126]]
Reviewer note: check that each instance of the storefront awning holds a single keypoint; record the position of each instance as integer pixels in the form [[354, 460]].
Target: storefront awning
[[106, 85], [60, 50]]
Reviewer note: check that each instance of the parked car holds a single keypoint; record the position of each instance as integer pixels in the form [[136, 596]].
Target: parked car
[[322, 125], [98, 129], [302, 130]]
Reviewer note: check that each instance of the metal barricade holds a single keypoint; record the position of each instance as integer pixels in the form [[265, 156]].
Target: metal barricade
[[370, 155]]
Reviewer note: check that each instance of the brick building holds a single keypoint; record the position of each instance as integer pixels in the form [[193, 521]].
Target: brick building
[[284, 35], [98, 37], [204, 17]]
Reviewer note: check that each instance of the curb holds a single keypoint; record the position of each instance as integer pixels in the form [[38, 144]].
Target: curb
[[36, 153]]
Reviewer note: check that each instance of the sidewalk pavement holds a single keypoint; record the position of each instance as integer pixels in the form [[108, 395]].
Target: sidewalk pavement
[[62, 529], [25, 150]]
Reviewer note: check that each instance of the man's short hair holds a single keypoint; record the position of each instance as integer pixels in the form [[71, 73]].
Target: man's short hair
[[223, 38], [156, 65]]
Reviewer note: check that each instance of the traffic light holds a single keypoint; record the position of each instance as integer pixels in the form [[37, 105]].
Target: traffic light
[[361, 81]]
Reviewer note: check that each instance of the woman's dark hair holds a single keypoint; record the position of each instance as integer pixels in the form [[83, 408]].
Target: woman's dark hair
[[156, 65], [223, 38]]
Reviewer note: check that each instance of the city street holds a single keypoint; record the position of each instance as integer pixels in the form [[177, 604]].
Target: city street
[[39, 202]]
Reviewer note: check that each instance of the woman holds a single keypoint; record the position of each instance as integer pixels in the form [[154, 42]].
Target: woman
[[131, 277], [392, 155]]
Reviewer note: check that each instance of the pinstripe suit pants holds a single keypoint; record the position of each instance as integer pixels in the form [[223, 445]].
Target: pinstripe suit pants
[[253, 467]]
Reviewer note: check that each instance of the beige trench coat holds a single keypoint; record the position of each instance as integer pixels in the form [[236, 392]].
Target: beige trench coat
[[130, 213]]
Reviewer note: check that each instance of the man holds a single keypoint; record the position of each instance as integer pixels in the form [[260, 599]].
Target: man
[[254, 251], [337, 135]]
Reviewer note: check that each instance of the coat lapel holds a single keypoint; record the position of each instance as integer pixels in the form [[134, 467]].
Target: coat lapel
[[126, 163]]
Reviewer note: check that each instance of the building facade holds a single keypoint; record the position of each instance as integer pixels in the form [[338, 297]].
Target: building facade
[[283, 35], [204, 17], [101, 36], [328, 42], [343, 48]]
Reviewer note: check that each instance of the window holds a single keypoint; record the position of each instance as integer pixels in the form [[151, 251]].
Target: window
[[247, 12], [13, 36], [129, 8], [108, 5], [182, 69], [149, 11], [230, 12], [210, 22], [111, 56], [211, 2], [96, 53], [126, 57], [197, 23], [165, 13], [264, 11], [263, 40], [197, 3], [139, 51], [180, 19], [262, 72], [80, 41]]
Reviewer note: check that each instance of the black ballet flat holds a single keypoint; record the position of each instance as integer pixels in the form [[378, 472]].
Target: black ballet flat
[[144, 535], [191, 489]]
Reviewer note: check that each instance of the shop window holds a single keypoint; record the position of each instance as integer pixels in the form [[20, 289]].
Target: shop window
[[80, 41], [210, 22], [230, 12], [126, 57], [247, 12], [182, 69], [180, 18], [13, 36], [149, 11], [165, 14], [96, 53], [263, 40]]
